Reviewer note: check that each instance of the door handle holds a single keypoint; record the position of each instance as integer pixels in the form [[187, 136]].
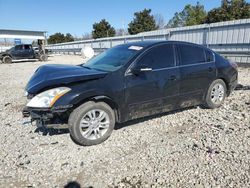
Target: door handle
[[210, 69], [146, 69], [172, 78]]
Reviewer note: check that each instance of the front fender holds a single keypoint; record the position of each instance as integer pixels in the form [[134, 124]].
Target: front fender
[[4, 54], [76, 97]]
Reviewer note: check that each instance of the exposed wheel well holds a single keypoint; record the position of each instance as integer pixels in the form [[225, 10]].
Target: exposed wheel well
[[224, 80], [3, 55], [105, 99], [227, 84]]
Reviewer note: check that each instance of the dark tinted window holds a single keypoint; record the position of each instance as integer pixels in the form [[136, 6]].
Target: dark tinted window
[[27, 47], [159, 57], [19, 47], [209, 56], [191, 54]]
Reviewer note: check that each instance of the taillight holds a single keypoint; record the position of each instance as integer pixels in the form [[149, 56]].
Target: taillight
[[234, 65]]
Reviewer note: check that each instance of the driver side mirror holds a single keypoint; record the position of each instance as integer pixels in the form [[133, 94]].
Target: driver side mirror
[[140, 68]]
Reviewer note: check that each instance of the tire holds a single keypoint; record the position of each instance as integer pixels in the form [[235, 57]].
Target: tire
[[216, 94], [87, 135], [7, 59], [43, 58]]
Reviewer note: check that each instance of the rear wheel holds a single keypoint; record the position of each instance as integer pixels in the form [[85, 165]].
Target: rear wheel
[[7, 59], [216, 94], [91, 123], [43, 57]]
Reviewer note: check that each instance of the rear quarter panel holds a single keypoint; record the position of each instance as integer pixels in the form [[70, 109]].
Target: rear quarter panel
[[226, 71]]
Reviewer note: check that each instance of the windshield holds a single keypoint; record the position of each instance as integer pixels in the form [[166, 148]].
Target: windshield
[[112, 59]]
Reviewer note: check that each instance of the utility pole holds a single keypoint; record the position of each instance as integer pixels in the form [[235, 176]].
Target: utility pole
[[46, 37], [123, 26]]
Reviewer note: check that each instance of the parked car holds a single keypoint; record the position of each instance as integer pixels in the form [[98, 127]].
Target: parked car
[[126, 82], [21, 52]]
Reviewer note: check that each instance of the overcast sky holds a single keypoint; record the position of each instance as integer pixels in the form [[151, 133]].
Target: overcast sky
[[77, 16]]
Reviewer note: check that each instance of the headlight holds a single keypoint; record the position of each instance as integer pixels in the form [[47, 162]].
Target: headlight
[[47, 98]]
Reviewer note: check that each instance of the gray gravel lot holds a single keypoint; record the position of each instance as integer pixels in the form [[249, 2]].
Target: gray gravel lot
[[194, 147]]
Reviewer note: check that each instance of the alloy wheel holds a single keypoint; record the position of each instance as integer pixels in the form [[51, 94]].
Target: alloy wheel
[[94, 124], [217, 93]]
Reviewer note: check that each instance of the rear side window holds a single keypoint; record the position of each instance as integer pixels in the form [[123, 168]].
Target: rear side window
[[190, 54], [209, 56], [158, 57]]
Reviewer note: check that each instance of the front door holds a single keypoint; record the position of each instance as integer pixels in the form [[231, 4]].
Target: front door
[[155, 89]]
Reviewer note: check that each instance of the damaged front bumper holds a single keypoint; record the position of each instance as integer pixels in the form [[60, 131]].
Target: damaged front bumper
[[55, 117]]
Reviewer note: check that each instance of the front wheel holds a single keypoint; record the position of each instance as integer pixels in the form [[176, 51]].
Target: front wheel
[[91, 123], [216, 94], [7, 59]]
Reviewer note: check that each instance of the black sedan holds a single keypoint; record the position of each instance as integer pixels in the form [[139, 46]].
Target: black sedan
[[128, 81]]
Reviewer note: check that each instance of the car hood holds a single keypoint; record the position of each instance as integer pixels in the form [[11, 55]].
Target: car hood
[[48, 76], [4, 52]]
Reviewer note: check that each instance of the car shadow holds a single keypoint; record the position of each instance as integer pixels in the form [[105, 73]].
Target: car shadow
[[143, 119], [242, 87], [23, 61], [50, 131], [75, 184], [53, 132]]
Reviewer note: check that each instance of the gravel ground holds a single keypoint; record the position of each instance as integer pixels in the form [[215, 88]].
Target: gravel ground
[[194, 147]]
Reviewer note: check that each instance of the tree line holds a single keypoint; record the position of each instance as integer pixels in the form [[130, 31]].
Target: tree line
[[144, 21]]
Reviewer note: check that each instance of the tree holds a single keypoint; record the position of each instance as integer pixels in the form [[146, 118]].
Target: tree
[[143, 21], [196, 15], [68, 38], [190, 15], [159, 21], [102, 29], [229, 10], [176, 21], [56, 38], [59, 38]]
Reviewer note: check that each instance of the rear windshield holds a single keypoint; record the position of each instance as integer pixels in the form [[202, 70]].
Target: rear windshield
[[113, 59]]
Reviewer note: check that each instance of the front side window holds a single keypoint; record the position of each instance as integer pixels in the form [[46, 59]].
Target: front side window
[[191, 54], [19, 47], [113, 59], [159, 57]]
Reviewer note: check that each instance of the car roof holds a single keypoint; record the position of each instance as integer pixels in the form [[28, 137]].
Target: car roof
[[149, 43], [22, 44], [142, 43]]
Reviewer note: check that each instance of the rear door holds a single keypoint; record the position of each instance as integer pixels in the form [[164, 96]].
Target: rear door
[[17, 52], [28, 52], [154, 91], [197, 71]]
